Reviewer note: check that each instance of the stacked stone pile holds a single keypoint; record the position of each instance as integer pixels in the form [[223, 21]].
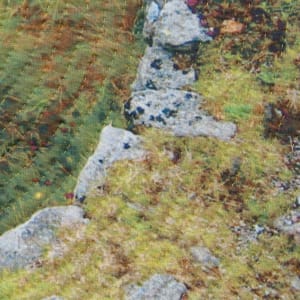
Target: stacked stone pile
[[159, 98]]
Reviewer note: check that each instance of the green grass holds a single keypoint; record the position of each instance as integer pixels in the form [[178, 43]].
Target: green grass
[[150, 213], [65, 71]]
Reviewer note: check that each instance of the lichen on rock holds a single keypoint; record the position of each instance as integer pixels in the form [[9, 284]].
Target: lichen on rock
[[114, 144], [23, 246], [176, 111]]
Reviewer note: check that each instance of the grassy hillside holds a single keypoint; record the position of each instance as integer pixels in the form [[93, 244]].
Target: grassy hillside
[[65, 68], [189, 191]]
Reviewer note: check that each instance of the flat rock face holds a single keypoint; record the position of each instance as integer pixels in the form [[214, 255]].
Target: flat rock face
[[177, 111], [115, 144], [158, 99], [158, 287], [24, 244], [157, 71], [178, 28]]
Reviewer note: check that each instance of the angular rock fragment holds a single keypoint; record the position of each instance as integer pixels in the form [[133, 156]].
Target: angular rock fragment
[[158, 71], [23, 245], [204, 256], [153, 10], [176, 111], [158, 287], [178, 28], [115, 144], [295, 283]]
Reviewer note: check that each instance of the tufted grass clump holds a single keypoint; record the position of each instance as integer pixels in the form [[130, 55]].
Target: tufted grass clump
[[150, 213]]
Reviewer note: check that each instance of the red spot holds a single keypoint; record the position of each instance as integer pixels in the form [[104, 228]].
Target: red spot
[[35, 180], [69, 195], [47, 182], [34, 148], [64, 129], [44, 144], [192, 3]]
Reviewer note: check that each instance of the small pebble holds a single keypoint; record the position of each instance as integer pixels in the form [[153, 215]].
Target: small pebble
[[295, 283]]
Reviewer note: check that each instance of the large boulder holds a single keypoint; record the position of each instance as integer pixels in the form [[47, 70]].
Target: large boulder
[[158, 71], [115, 144], [158, 287], [176, 111], [177, 28], [24, 245]]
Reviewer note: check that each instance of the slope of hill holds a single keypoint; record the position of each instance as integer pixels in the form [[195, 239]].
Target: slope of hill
[[152, 216]]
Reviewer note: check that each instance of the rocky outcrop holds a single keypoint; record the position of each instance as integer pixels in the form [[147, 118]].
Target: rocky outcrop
[[177, 28], [176, 111], [172, 25], [115, 144], [24, 245], [158, 287], [158, 71], [157, 99]]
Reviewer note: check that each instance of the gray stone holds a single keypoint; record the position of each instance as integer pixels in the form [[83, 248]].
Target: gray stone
[[290, 224], [153, 10], [297, 201], [204, 256], [295, 283], [158, 71], [53, 298], [176, 111], [23, 245], [178, 28], [158, 287], [115, 144]]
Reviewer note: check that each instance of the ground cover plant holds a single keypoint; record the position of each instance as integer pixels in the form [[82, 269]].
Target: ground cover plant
[[198, 191], [61, 80]]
